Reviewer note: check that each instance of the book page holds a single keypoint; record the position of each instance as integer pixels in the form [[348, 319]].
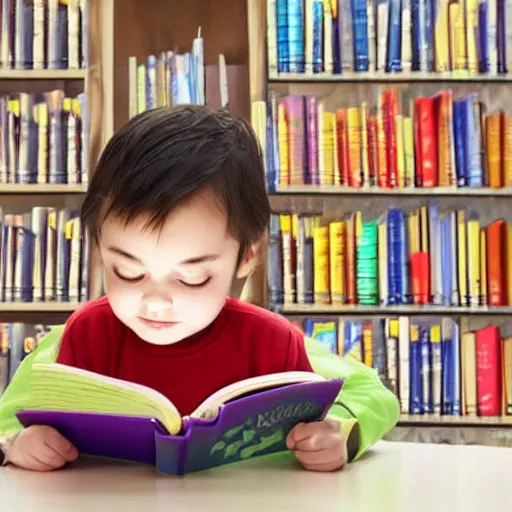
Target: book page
[[210, 407], [57, 387]]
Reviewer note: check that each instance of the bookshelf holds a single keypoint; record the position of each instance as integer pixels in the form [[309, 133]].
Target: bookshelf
[[334, 202]]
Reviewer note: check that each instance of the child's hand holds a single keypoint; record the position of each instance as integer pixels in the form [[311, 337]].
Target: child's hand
[[40, 448], [318, 446]]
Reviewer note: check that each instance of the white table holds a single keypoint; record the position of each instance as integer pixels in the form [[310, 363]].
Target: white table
[[396, 477]]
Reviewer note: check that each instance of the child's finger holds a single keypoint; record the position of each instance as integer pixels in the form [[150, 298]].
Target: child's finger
[[301, 432]]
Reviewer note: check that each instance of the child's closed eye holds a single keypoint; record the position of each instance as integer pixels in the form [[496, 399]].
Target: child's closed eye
[[129, 276], [192, 284]]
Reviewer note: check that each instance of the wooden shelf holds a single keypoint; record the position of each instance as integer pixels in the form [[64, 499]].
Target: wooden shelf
[[337, 190], [389, 310], [43, 74], [385, 77], [408, 420], [38, 307], [43, 188]]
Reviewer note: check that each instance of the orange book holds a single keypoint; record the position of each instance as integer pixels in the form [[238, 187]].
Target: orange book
[[367, 345], [496, 293], [506, 148], [382, 157], [494, 151], [444, 153]]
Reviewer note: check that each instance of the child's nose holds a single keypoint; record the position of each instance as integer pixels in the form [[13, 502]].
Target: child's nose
[[157, 305]]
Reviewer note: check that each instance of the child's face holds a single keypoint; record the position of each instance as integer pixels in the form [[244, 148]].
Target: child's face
[[167, 285]]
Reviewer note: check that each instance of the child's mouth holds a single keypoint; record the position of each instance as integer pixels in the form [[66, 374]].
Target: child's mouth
[[157, 324]]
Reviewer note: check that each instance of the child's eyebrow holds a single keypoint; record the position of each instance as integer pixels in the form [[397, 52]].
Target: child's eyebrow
[[125, 254], [200, 259]]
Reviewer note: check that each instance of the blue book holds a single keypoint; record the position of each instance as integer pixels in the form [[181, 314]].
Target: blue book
[[415, 374], [426, 367], [446, 269], [483, 37], [296, 36], [459, 129], [360, 31], [318, 36], [397, 258], [283, 51], [455, 362], [474, 174], [394, 57], [429, 33], [415, 35], [447, 375]]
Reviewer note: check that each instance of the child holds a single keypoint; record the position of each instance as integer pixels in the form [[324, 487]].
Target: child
[[178, 207]]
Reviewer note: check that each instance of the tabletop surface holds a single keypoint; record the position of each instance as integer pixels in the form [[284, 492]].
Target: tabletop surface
[[398, 477]]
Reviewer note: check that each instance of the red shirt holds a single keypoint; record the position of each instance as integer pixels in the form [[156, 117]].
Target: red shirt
[[243, 341]]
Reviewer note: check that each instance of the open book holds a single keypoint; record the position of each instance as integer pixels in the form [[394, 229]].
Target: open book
[[113, 418]]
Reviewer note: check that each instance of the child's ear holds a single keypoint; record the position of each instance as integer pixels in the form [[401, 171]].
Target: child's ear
[[248, 262]]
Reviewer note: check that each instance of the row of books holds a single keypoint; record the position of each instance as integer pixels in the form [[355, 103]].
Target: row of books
[[314, 37], [167, 79], [441, 140], [435, 367], [421, 257], [16, 341], [44, 256], [44, 138], [44, 34]]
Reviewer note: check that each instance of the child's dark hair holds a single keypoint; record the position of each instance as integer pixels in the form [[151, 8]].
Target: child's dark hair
[[166, 155]]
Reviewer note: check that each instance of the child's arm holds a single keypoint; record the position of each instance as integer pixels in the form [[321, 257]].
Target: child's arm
[[366, 409]]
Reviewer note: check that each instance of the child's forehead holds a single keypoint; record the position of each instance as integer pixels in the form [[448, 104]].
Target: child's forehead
[[196, 226]]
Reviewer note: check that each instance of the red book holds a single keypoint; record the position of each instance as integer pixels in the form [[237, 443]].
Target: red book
[[420, 275], [343, 149], [488, 371], [425, 134]]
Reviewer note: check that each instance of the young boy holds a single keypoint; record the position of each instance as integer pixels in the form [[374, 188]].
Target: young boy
[[178, 207]]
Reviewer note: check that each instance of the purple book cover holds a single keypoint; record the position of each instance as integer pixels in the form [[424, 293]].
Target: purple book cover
[[295, 108], [253, 425]]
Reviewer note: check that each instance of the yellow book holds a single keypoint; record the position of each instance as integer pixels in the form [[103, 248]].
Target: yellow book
[[473, 259], [459, 35], [400, 151], [507, 149], [328, 42], [507, 374], [321, 281], [365, 166], [341, 337], [442, 43], [329, 127], [284, 146], [367, 345], [410, 173], [285, 222], [354, 145], [141, 88], [471, 34], [462, 257], [414, 232], [483, 267], [468, 374], [259, 122], [337, 261]]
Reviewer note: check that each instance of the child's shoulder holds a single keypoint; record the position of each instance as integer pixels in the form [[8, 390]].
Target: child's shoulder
[[92, 314], [260, 319]]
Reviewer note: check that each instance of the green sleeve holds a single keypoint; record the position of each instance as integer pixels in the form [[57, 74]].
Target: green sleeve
[[13, 397], [363, 396]]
